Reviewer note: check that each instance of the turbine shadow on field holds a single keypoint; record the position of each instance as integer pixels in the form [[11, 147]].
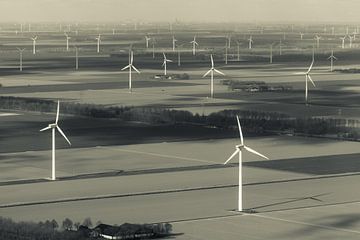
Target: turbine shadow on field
[[322, 165]]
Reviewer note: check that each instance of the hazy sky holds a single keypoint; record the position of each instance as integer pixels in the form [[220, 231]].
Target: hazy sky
[[184, 10]]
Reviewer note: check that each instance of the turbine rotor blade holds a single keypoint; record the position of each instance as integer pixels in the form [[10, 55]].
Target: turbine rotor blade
[[311, 81], [63, 134], [255, 152], [44, 129], [212, 60], [57, 112], [233, 155], [219, 72], [207, 73], [135, 69], [312, 63], [240, 131], [126, 67]]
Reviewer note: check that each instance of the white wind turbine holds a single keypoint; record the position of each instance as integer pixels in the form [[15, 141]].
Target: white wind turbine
[[67, 41], [34, 44], [147, 39], [54, 127], [98, 38], [317, 38], [308, 78], [343, 42], [250, 42], [301, 36], [194, 44], [173, 43], [165, 63], [239, 148], [238, 50], [21, 50], [130, 67], [211, 71], [350, 41], [332, 58]]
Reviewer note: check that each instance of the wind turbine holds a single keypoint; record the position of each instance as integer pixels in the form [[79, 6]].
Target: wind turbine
[[194, 43], [250, 42], [173, 43], [130, 67], [239, 149], [34, 44], [238, 50], [332, 58], [153, 48], [229, 41], [98, 38], [280, 48], [317, 38], [54, 127], [165, 63], [301, 36], [76, 58], [147, 39], [343, 42], [211, 71], [271, 53], [350, 41], [21, 50], [67, 41], [308, 78]]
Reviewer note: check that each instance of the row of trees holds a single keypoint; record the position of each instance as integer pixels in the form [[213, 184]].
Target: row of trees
[[253, 121], [50, 230]]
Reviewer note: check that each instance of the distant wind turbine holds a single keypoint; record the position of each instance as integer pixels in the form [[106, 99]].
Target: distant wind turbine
[[54, 127], [165, 63], [250, 42], [343, 42], [211, 71], [194, 44], [271, 53], [67, 41], [301, 36], [21, 50], [308, 78], [238, 50], [317, 39], [76, 58], [130, 67], [147, 39], [173, 43], [350, 41], [239, 149], [34, 44], [98, 38], [332, 58]]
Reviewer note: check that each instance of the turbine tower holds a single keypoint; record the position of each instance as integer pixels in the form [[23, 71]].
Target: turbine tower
[[238, 50], [54, 127], [350, 41], [165, 63], [308, 78], [343, 42], [239, 149], [332, 58], [250, 42], [98, 38], [130, 67], [67, 41], [147, 39], [76, 57], [21, 50], [317, 38], [194, 44], [34, 44], [211, 71], [301, 36], [173, 43]]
